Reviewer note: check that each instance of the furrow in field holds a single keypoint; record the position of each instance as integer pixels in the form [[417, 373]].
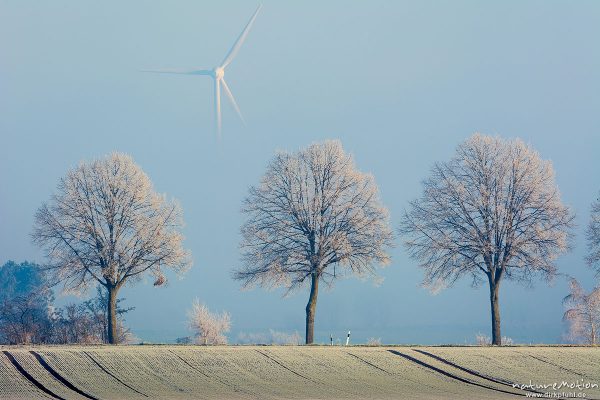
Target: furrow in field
[[478, 374], [451, 375], [288, 372], [116, 378], [83, 371], [137, 371], [169, 370], [555, 365], [14, 387], [284, 367], [346, 376], [216, 377], [391, 379], [324, 373], [579, 361], [517, 364], [39, 373], [61, 378], [262, 375], [412, 381], [512, 364], [369, 363], [297, 362], [521, 364]]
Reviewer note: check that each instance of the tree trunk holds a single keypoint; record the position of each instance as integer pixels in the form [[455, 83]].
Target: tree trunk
[[112, 315], [311, 308], [495, 308]]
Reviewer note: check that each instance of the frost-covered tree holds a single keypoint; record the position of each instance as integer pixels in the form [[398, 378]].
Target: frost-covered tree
[[106, 225], [313, 217], [593, 236], [208, 328], [583, 313], [492, 212]]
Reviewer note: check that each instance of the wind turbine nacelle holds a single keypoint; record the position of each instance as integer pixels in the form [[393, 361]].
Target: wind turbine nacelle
[[218, 73]]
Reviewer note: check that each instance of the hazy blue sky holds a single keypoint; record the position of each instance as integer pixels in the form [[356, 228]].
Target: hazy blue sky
[[400, 83]]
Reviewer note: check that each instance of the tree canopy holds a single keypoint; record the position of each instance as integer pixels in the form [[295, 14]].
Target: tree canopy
[[106, 225], [493, 211]]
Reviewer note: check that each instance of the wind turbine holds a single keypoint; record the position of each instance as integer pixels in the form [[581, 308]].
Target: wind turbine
[[218, 73]]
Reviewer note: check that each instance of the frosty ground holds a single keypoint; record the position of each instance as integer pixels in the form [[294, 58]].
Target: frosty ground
[[294, 372]]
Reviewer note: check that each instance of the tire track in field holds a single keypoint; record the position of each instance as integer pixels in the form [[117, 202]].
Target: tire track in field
[[59, 377], [30, 378], [369, 363], [392, 374], [556, 365], [475, 373], [300, 375], [488, 377], [112, 375], [233, 387], [145, 366], [452, 376], [465, 369], [561, 367], [287, 368]]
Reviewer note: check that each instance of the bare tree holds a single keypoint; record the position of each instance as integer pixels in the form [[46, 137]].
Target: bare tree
[[23, 321], [583, 313], [492, 211], [313, 217], [97, 310], [593, 236], [208, 328], [106, 225], [73, 324], [87, 322]]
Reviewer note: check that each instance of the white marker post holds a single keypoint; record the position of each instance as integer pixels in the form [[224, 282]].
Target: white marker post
[[348, 339], [331, 339]]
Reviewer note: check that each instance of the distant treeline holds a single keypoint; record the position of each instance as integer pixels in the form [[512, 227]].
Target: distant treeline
[[28, 314]]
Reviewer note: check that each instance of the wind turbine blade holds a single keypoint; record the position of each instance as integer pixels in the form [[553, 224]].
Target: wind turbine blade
[[240, 40], [180, 71], [218, 106], [232, 100]]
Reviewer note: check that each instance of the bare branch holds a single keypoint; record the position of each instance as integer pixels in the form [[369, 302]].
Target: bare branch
[[106, 225], [493, 209], [313, 213]]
